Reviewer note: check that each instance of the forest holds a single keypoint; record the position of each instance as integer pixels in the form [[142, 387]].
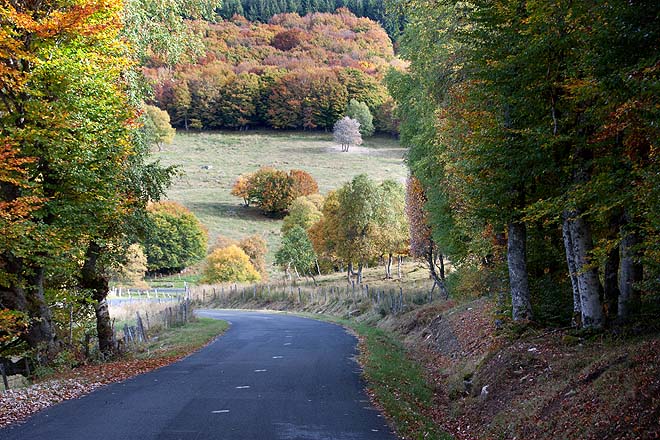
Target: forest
[[290, 73]]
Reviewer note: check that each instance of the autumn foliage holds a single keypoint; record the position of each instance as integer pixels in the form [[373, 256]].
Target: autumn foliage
[[291, 73], [273, 190], [229, 264]]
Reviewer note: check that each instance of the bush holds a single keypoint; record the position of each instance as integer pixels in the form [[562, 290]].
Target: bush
[[273, 190], [230, 264], [175, 238], [255, 248]]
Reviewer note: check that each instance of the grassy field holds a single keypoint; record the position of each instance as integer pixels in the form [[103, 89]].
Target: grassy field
[[211, 162]]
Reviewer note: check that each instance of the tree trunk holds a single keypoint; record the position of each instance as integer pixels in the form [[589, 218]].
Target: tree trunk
[[349, 271], [631, 273], [430, 260], [572, 270], [93, 279], [398, 265], [388, 267], [26, 294], [611, 284], [588, 282], [359, 273], [517, 263], [441, 258]]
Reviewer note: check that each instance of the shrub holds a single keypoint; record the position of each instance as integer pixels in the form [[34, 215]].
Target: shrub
[[302, 183], [229, 264], [273, 190], [255, 248], [174, 239]]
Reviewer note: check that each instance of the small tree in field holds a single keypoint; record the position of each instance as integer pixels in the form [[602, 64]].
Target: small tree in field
[[229, 264], [361, 113], [157, 126], [296, 252], [347, 132]]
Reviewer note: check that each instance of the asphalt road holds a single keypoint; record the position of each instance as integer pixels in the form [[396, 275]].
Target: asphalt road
[[271, 376]]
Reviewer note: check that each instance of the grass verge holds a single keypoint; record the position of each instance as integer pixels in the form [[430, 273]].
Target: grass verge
[[183, 340]]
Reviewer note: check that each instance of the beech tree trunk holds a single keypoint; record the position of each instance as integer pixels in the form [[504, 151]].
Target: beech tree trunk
[[517, 263], [359, 273], [349, 271], [437, 280], [631, 273], [398, 265], [572, 269], [611, 284], [93, 279], [588, 281], [26, 294], [388, 267]]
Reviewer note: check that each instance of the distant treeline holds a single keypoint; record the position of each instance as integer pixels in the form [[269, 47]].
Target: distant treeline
[[291, 73], [263, 10]]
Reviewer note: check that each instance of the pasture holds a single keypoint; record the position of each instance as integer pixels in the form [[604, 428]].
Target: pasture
[[210, 162]]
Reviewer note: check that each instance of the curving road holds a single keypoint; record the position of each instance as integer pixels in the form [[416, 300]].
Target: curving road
[[270, 376]]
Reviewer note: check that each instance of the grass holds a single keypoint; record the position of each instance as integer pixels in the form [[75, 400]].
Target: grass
[[211, 162], [184, 339]]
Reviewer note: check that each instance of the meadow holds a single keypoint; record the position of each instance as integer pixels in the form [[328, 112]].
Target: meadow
[[210, 162]]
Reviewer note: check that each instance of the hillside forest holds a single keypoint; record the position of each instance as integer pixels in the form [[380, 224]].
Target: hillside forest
[[531, 151]]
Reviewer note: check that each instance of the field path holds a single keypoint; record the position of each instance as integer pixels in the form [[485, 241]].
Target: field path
[[270, 376]]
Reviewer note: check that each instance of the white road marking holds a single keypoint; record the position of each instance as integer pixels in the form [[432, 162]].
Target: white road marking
[[278, 357], [220, 411], [260, 371], [374, 430], [243, 387], [288, 343]]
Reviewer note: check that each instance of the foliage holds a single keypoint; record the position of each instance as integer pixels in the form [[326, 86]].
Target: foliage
[[175, 238], [255, 248], [12, 325], [293, 72], [157, 126], [303, 212], [273, 190], [296, 251], [131, 272], [360, 112], [229, 264], [346, 132]]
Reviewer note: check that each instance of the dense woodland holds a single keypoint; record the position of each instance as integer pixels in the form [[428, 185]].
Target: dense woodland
[[532, 129], [290, 73]]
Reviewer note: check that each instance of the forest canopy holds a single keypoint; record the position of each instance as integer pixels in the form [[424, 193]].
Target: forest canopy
[[290, 73]]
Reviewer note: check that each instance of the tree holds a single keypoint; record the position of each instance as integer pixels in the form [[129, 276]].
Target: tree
[[229, 264], [296, 251], [422, 244], [346, 132], [303, 212], [131, 272], [360, 112], [392, 223], [271, 190], [241, 188], [175, 238], [157, 126], [302, 183]]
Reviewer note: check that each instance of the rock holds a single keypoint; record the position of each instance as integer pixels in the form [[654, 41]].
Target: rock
[[484, 392], [206, 167]]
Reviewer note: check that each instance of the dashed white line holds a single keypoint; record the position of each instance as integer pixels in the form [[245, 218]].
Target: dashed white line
[[260, 371], [278, 357], [220, 411], [288, 343], [243, 387]]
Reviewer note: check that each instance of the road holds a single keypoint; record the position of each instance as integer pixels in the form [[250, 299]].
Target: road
[[270, 376]]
